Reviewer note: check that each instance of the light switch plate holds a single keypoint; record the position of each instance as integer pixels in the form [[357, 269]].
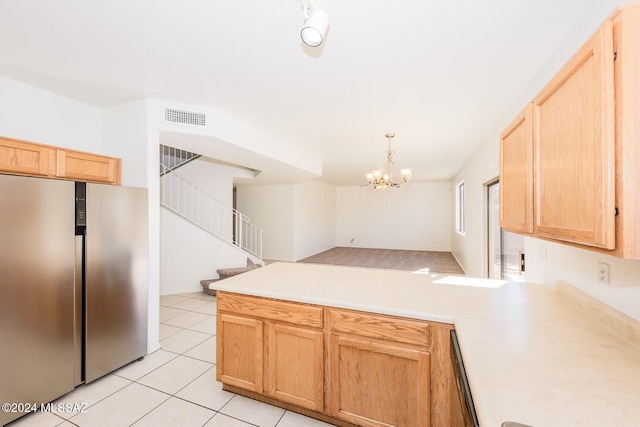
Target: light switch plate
[[542, 253]]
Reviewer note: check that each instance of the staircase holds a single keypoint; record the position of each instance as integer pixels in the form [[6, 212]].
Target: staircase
[[202, 209], [172, 158], [225, 273]]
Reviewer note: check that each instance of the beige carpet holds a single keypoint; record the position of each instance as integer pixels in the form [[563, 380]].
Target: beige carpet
[[435, 262]]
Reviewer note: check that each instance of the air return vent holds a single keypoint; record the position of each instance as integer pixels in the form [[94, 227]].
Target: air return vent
[[186, 117]]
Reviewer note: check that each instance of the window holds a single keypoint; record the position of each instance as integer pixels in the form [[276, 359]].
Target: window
[[460, 226]]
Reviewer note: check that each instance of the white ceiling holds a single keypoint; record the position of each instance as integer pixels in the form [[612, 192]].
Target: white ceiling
[[441, 75]]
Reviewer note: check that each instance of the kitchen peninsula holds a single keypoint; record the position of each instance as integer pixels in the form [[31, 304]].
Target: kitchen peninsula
[[531, 356]]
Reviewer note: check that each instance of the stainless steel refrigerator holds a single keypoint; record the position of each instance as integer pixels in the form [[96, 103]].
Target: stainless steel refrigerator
[[73, 283]]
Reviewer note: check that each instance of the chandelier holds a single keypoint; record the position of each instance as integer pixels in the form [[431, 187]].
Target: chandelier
[[379, 179]]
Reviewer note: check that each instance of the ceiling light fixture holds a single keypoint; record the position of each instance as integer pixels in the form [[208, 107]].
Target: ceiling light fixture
[[380, 179], [316, 24]]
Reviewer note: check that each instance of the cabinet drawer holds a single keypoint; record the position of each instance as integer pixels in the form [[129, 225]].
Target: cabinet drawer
[[380, 327], [270, 309]]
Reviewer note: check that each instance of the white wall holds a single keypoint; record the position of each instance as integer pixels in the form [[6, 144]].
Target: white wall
[[36, 115], [579, 267], [40, 116], [314, 218], [126, 135], [189, 254], [299, 219], [576, 266], [271, 207], [232, 140], [471, 249], [417, 217]]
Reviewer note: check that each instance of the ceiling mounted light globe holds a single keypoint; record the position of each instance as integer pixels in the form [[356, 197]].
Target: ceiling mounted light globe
[[315, 28]]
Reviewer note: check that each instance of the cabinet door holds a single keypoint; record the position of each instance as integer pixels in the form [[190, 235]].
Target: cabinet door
[[574, 139], [20, 157], [516, 174], [87, 167], [239, 352], [375, 384], [295, 365]]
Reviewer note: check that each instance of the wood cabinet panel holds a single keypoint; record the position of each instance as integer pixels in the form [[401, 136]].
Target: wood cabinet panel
[[356, 368], [376, 384], [443, 382], [295, 365], [239, 352], [86, 167], [574, 139], [269, 309], [262, 349], [32, 159], [585, 137], [385, 328], [24, 158], [516, 174], [626, 40]]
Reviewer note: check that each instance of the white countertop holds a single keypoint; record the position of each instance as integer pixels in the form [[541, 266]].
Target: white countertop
[[530, 356]]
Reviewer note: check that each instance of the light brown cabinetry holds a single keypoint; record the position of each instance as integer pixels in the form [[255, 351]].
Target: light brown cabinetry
[[379, 370], [574, 148], [240, 358], [87, 167], [342, 366], [295, 365], [24, 158], [584, 137], [31, 159], [270, 347], [516, 174]]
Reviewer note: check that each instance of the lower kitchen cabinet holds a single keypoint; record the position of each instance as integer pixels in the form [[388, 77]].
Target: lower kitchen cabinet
[[295, 365], [349, 368], [239, 359], [273, 348], [378, 384]]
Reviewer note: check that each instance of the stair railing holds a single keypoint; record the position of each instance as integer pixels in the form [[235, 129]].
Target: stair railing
[[202, 209], [172, 158]]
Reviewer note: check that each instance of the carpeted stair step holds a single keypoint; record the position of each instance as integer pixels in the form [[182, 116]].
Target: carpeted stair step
[[225, 273], [205, 286]]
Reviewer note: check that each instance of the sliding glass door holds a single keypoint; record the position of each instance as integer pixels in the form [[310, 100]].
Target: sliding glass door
[[505, 250]]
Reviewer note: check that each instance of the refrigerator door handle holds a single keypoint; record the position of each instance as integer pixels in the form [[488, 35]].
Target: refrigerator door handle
[[78, 312]]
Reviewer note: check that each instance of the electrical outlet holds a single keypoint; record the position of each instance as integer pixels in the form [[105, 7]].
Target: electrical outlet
[[603, 273]]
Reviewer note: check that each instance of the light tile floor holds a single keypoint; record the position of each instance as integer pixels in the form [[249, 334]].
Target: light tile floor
[[174, 386]]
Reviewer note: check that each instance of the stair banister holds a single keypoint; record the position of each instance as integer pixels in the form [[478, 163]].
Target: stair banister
[[192, 203]]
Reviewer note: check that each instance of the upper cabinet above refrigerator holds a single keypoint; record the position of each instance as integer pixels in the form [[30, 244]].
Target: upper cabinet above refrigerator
[[28, 158]]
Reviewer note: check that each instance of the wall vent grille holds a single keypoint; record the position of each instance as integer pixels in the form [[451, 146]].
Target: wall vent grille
[[186, 117]]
